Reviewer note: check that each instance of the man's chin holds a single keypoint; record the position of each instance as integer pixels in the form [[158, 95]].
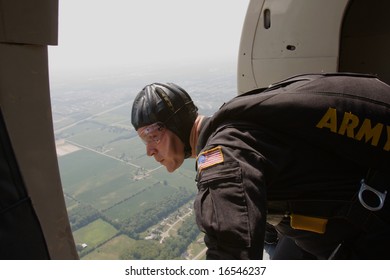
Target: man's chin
[[171, 169]]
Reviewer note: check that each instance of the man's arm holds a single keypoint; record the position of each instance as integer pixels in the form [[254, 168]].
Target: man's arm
[[230, 205]]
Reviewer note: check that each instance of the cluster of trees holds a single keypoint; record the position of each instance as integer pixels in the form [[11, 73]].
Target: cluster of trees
[[116, 129], [82, 215], [143, 220], [172, 248]]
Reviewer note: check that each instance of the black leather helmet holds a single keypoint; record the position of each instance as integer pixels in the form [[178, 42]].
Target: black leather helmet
[[169, 104]]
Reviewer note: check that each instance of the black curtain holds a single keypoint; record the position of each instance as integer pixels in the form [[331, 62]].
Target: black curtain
[[21, 236]]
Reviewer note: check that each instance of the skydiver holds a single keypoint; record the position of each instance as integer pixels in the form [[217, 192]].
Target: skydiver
[[308, 155]]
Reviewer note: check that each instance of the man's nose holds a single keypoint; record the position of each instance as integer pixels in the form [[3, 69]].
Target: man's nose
[[150, 150]]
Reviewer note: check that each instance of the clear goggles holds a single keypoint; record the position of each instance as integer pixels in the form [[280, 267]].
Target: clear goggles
[[152, 134]]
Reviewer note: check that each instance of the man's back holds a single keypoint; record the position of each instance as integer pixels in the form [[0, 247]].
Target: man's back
[[297, 151]]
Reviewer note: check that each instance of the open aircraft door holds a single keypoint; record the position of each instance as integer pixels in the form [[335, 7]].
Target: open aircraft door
[[33, 218], [285, 38]]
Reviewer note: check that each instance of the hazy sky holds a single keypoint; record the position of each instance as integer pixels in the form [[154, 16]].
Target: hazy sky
[[97, 34]]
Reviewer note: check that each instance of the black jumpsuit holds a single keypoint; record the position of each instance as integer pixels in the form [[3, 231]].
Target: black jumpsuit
[[253, 165]]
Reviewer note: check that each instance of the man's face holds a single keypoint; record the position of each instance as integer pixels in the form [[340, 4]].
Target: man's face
[[164, 145]]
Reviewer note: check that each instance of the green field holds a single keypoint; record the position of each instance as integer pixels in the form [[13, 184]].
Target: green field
[[113, 249]]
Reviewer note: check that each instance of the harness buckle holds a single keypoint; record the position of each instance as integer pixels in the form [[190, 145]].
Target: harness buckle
[[381, 196]]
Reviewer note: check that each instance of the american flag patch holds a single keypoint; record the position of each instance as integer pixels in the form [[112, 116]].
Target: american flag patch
[[209, 158]]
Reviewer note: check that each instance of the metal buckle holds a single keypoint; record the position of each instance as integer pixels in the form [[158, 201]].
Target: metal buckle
[[381, 196]]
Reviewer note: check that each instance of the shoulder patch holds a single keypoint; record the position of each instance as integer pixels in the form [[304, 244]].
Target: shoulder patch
[[209, 158]]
